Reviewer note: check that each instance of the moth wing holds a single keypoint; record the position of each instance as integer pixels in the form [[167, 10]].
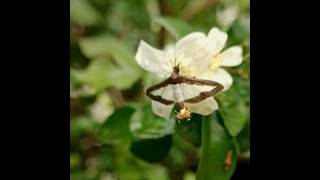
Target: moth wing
[[188, 91], [204, 107], [159, 108], [164, 92], [180, 92], [194, 90]]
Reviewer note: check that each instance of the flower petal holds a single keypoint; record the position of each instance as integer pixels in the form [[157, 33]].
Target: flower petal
[[219, 75], [217, 39], [189, 39], [204, 107], [192, 52], [232, 56], [152, 59], [161, 109]]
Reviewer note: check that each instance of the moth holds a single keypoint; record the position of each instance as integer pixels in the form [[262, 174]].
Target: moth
[[182, 90]]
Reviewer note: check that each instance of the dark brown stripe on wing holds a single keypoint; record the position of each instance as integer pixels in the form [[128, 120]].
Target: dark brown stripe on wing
[[182, 79], [203, 95], [158, 86]]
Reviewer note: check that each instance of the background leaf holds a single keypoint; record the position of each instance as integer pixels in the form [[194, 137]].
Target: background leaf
[[82, 12], [80, 125], [116, 128], [112, 63], [177, 27]]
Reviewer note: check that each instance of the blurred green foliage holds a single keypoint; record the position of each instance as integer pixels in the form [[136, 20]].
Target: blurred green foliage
[[114, 133]]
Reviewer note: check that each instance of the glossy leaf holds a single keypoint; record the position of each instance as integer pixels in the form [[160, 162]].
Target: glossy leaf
[[243, 138], [234, 106], [216, 143], [146, 124], [152, 150], [190, 130]]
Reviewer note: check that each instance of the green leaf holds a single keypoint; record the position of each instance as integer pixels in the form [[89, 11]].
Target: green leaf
[[75, 160], [240, 30], [152, 150], [175, 26], [216, 143], [107, 45], [81, 125], [234, 106], [146, 124], [243, 138], [82, 12], [190, 130], [113, 63], [119, 161], [102, 73], [189, 176], [116, 128]]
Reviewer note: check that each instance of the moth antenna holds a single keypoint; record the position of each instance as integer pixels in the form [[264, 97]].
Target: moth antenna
[[175, 60], [175, 56]]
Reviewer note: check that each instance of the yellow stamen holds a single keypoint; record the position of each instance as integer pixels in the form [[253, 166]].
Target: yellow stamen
[[184, 114], [186, 71], [216, 62]]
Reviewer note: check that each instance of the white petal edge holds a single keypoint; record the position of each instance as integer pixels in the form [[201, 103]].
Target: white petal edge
[[152, 59], [161, 110], [192, 51], [232, 56], [204, 107], [189, 39], [219, 75], [216, 40]]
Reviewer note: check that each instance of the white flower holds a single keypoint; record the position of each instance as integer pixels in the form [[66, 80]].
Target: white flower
[[198, 56]]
